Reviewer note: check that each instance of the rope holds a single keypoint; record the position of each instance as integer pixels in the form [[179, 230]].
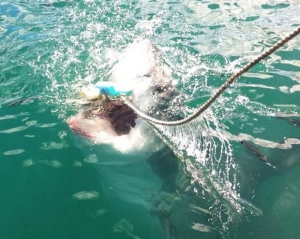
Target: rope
[[219, 91]]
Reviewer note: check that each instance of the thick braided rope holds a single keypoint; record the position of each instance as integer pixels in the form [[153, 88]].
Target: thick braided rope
[[219, 91]]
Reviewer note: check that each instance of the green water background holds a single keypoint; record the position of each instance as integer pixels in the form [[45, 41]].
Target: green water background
[[48, 50]]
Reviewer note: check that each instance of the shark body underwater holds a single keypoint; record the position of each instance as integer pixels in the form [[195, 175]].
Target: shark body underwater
[[146, 166], [141, 169]]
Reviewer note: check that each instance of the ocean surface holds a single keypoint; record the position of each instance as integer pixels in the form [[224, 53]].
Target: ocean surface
[[56, 184]]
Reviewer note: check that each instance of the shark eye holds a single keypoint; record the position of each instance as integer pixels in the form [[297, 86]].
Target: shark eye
[[158, 89], [147, 75]]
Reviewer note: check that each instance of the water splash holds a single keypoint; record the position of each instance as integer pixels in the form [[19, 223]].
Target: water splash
[[209, 162]]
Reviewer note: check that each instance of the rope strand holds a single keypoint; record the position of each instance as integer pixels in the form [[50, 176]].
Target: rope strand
[[222, 88]]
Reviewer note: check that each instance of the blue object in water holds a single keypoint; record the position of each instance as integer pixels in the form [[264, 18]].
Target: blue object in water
[[111, 88]]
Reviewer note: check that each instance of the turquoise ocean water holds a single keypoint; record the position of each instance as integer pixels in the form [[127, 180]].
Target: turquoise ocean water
[[55, 184]]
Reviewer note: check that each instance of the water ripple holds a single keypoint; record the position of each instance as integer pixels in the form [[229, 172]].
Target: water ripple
[[14, 152], [86, 195]]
